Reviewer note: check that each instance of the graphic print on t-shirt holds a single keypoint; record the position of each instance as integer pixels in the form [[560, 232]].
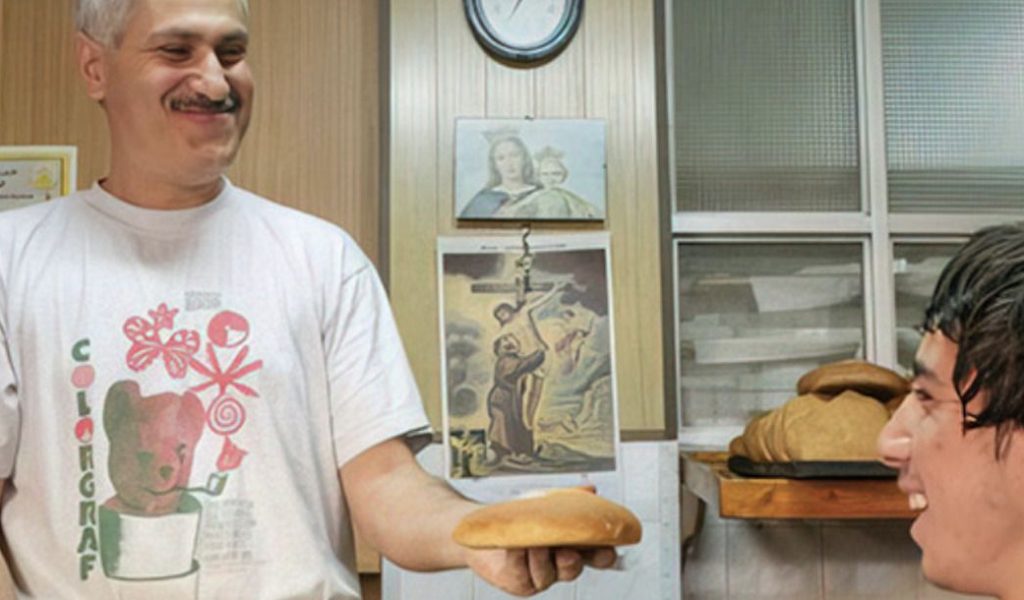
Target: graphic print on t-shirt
[[149, 528]]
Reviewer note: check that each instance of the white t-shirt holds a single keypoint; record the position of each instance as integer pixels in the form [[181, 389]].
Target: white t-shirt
[[177, 392]]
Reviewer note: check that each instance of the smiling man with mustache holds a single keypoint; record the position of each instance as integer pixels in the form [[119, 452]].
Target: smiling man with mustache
[[177, 91], [166, 279]]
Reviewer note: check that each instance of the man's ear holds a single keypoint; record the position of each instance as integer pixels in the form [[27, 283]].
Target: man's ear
[[92, 65]]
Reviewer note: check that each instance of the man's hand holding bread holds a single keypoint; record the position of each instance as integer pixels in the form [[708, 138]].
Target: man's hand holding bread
[[524, 546]]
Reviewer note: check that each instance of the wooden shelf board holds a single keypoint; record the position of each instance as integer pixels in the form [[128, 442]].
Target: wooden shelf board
[[737, 497]]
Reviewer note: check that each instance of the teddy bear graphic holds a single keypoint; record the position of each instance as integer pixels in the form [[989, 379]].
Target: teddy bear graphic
[[148, 529]]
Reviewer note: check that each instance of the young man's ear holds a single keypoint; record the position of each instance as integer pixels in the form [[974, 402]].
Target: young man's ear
[[91, 65]]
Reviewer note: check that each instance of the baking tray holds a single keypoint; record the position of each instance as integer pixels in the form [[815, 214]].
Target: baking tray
[[818, 469]]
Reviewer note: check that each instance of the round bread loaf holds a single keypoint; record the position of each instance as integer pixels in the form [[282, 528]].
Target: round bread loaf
[[738, 447], [812, 427], [758, 440], [570, 517], [748, 443], [843, 428], [857, 375], [775, 428]]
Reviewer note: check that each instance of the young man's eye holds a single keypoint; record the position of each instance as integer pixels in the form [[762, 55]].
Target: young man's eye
[[920, 395]]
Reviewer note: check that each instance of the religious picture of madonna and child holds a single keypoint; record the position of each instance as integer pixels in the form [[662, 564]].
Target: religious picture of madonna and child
[[528, 366], [530, 169]]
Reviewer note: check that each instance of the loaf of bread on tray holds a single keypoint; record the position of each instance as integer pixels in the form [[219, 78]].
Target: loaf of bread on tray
[[857, 375], [837, 415]]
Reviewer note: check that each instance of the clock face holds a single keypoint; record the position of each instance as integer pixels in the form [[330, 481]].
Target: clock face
[[524, 23], [524, 30]]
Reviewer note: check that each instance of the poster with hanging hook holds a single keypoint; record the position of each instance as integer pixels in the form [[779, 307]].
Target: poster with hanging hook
[[528, 365]]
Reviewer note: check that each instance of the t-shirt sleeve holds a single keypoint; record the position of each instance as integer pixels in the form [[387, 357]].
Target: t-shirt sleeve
[[10, 415], [373, 394]]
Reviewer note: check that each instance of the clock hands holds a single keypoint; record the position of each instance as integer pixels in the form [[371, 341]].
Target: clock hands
[[515, 8]]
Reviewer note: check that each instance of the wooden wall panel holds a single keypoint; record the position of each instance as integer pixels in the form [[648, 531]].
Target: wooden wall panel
[[413, 177], [314, 139], [607, 71], [509, 90], [315, 134], [650, 228], [42, 100], [2, 32], [610, 70], [561, 84], [461, 91]]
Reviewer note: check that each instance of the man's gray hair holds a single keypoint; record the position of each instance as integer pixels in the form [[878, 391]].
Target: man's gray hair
[[105, 20]]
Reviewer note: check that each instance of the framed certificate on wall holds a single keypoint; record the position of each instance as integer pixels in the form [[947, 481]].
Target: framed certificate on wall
[[31, 174]]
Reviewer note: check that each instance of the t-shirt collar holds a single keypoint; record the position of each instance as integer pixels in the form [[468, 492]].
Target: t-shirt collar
[[167, 223]]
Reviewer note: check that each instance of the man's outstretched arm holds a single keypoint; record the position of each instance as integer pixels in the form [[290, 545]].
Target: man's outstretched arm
[[7, 591], [409, 516]]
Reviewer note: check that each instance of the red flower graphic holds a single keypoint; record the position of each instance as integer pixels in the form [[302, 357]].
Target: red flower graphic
[[230, 456], [224, 379], [163, 318], [147, 344]]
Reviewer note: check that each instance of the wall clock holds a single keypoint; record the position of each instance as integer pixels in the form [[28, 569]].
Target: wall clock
[[524, 31]]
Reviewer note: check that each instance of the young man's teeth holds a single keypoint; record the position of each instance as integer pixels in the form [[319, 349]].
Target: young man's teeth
[[918, 501]]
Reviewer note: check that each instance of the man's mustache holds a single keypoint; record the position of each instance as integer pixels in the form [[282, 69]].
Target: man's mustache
[[229, 103]]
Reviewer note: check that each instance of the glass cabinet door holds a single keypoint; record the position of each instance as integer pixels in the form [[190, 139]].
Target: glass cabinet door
[[954, 106], [765, 105], [916, 268], [827, 159], [755, 316]]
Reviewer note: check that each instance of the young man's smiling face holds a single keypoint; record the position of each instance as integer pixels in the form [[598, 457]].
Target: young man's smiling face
[[971, 528], [177, 88]]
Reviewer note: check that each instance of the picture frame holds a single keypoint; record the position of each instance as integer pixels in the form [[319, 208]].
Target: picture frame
[[528, 170], [32, 174], [528, 368]]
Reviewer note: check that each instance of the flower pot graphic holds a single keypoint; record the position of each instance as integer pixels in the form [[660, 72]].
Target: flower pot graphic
[[150, 547]]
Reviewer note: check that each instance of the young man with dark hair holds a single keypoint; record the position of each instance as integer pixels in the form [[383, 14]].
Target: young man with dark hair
[[958, 438]]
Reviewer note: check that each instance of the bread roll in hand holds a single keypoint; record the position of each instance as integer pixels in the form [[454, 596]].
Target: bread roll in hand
[[571, 517]]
